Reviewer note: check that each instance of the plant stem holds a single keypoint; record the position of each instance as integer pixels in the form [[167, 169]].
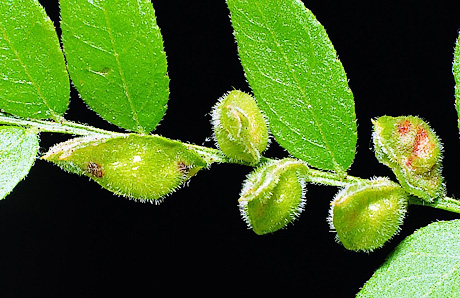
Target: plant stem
[[64, 126], [329, 178], [211, 155], [446, 203]]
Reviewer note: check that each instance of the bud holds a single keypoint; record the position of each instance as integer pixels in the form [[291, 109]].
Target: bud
[[273, 195], [240, 129], [366, 215], [413, 151], [144, 167]]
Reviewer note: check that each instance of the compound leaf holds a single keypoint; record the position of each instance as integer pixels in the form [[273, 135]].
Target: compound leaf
[[425, 264], [18, 149], [115, 56], [297, 80], [33, 78]]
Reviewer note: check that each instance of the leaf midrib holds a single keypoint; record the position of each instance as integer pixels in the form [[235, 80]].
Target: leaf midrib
[[122, 76], [33, 82]]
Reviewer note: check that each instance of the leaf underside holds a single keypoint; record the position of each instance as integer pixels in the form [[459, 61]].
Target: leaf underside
[[297, 80], [115, 56], [456, 71], [425, 264], [33, 78], [18, 149]]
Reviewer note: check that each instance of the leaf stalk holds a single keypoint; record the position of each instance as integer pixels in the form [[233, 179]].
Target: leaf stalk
[[445, 203], [63, 126]]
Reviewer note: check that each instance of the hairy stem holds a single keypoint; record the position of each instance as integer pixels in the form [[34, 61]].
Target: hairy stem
[[324, 178], [63, 126], [446, 203], [329, 178], [211, 155]]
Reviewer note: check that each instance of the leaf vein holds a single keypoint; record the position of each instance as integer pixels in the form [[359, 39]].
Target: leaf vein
[[31, 79], [80, 38]]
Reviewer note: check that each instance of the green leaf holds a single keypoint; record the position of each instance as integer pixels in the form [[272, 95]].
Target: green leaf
[[425, 264], [456, 71], [33, 78], [297, 80], [18, 149], [115, 56]]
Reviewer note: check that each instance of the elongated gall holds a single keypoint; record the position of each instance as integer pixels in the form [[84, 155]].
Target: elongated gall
[[136, 166]]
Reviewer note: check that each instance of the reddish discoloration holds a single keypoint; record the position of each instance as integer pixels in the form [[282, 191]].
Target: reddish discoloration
[[422, 143], [422, 146], [94, 169], [404, 127], [410, 160]]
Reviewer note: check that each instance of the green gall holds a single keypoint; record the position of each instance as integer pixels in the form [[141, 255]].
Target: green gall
[[144, 167], [412, 150], [273, 195], [239, 127], [367, 214]]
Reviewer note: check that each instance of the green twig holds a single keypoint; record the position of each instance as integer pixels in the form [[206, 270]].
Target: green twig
[[324, 178], [330, 178], [211, 155], [446, 203], [64, 126]]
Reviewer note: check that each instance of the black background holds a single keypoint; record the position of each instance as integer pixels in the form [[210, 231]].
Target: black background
[[61, 235]]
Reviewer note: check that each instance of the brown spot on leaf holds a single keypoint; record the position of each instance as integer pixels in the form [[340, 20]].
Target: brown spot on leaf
[[94, 169], [183, 168]]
